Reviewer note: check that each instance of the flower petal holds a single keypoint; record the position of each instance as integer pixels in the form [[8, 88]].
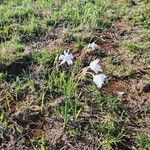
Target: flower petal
[[70, 62], [61, 57], [94, 66], [63, 61], [97, 69], [71, 56], [94, 46], [99, 80]]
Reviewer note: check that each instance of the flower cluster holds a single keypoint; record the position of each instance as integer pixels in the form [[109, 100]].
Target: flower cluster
[[98, 79]]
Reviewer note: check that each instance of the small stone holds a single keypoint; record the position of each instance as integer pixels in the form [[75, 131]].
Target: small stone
[[146, 88]]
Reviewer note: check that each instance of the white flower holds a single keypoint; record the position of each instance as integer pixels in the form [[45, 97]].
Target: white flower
[[99, 79], [92, 46], [66, 57], [95, 66]]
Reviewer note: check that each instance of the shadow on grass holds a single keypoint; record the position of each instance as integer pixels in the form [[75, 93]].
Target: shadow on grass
[[17, 67]]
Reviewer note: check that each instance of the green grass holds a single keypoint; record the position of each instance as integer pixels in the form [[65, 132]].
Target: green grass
[[39, 143], [44, 57], [118, 67], [143, 142], [29, 22], [70, 110], [2, 76], [136, 47], [106, 102], [140, 16]]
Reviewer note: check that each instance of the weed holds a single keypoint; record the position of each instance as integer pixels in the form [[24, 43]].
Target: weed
[[146, 1], [44, 58], [65, 112], [145, 57], [72, 132], [19, 86], [3, 76], [41, 142], [146, 79], [16, 45], [111, 141], [69, 110]]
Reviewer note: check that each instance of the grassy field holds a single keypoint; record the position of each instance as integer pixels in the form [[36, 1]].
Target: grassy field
[[48, 106]]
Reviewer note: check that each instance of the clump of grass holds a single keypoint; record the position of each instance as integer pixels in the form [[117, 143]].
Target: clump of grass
[[2, 76], [131, 47], [146, 79], [117, 67], [145, 58], [39, 143], [106, 102], [8, 56], [113, 134], [19, 86], [44, 57], [81, 14], [110, 141], [139, 16], [63, 81], [143, 142], [134, 47], [69, 110]]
